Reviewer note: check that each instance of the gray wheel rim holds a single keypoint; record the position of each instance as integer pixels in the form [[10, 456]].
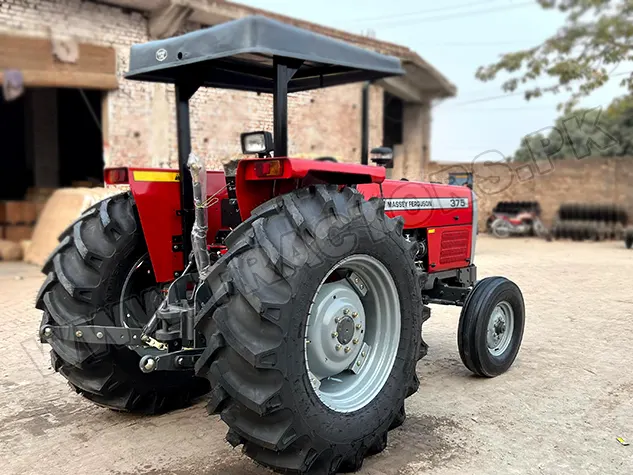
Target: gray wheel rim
[[500, 328], [352, 333]]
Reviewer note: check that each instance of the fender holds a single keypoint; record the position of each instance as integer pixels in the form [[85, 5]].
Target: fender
[[258, 180], [156, 193]]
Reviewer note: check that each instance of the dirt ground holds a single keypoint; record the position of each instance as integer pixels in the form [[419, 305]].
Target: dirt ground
[[558, 410]]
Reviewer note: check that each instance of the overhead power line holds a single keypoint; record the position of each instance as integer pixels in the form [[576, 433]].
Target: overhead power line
[[415, 21], [423, 12], [517, 93]]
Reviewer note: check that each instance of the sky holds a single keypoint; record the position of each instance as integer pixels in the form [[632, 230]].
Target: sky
[[456, 37]]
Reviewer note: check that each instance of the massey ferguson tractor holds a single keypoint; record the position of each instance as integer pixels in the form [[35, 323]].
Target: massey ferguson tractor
[[292, 291]]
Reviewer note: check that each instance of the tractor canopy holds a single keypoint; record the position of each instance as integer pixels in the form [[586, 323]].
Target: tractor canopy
[[239, 55]]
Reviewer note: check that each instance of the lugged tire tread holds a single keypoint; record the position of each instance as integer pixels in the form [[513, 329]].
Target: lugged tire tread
[[72, 298], [253, 409]]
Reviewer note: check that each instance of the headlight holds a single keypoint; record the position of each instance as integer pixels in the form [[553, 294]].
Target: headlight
[[260, 143]]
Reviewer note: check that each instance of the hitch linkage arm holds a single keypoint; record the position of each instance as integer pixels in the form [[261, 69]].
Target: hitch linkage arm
[[93, 334]]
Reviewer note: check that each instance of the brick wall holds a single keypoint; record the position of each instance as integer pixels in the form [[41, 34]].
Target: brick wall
[[141, 126], [587, 180]]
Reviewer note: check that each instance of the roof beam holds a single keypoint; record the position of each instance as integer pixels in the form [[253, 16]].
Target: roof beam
[[168, 20], [400, 87]]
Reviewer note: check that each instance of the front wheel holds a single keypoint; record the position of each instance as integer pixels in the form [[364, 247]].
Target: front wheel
[[315, 350], [491, 326]]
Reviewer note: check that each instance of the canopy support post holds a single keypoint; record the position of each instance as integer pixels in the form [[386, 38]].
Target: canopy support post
[[284, 70]]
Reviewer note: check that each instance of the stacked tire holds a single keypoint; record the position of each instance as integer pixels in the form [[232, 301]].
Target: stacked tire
[[628, 237], [590, 222]]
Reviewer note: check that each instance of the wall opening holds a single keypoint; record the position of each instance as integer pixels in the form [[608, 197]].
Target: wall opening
[[80, 138], [392, 116], [51, 138], [17, 173]]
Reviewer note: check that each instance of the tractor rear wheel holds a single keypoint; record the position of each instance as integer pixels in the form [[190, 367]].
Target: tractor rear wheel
[[98, 273], [315, 348], [491, 326]]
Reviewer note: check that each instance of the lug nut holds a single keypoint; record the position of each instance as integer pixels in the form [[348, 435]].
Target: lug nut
[[308, 342], [355, 341], [337, 319], [363, 354], [48, 332], [79, 334], [337, 347], [99, 335], [334, 334], [150, 364], [347, 349], [346, 311], [180, 361], [358, 326], [354, 314], [356, 280], [358, 363]]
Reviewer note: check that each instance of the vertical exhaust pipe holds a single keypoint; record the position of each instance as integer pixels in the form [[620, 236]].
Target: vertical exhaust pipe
[[201, 219]]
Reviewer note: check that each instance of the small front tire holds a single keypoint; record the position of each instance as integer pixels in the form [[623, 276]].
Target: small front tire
[[491, 326]]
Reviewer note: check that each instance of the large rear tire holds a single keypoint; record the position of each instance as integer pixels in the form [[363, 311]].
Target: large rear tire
[[261, 352], [85, 277]]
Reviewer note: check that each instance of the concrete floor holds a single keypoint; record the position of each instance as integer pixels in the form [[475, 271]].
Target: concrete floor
[[558, 410]]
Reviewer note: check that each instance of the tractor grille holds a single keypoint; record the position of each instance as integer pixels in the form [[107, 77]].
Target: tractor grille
[[454, 246]]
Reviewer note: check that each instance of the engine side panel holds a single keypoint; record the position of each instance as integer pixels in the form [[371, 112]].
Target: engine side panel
[[424, 204], [445, 211]]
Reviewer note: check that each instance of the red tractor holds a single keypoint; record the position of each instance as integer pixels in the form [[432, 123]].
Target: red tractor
[[293, 290]]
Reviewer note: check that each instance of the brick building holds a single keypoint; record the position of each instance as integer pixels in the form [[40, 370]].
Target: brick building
[[78, 112]]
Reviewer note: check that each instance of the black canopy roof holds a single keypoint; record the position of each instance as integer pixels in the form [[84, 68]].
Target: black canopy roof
[[239, 55]]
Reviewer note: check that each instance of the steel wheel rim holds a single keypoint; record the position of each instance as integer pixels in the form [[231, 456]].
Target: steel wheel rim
[[361, 312], [500, 329]]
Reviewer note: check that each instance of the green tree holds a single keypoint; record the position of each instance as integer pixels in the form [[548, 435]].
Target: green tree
[[597, 36], [583, 133]]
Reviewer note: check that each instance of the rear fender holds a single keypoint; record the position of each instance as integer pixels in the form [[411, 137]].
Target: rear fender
[[156, 193], [253, 190]]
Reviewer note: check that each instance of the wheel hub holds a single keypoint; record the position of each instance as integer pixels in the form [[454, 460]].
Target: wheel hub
[[500, 327], [345, 330], [336, 332]]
